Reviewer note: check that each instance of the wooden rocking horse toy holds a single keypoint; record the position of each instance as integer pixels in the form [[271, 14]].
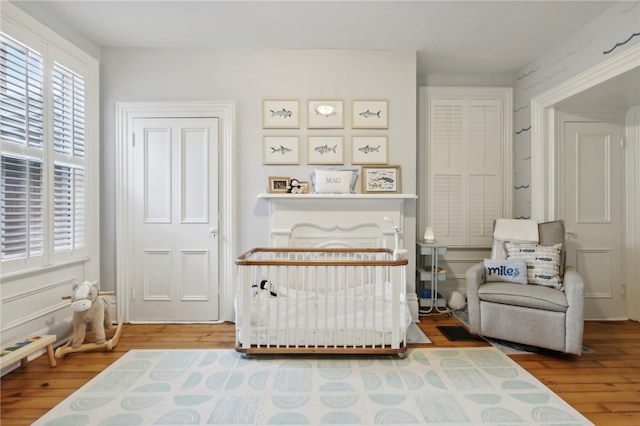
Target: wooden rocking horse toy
[[90, 308]]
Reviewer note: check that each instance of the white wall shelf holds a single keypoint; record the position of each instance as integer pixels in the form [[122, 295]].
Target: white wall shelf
[[268, 196]]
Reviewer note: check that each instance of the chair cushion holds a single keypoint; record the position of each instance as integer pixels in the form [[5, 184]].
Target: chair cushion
[[528, 296]]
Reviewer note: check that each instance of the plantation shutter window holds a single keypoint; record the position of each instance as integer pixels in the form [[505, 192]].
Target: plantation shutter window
[[468, 150], [43, 128]]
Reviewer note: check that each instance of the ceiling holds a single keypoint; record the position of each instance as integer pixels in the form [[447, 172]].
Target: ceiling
[[450, 37], [492, 38]]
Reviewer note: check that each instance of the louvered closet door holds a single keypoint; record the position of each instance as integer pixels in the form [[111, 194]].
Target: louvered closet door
[[465, 169], [447, 124], [484, 181]]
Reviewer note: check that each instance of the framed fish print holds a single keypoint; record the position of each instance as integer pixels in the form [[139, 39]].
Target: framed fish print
[[280, 114], [280, 150], [381, 179], [325, 114], [370, 114], [325, 150], [369, 150]]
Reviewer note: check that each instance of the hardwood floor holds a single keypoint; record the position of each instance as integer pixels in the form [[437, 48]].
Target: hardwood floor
[[604, 386]]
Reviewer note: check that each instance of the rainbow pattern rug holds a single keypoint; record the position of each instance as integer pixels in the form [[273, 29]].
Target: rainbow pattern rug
[[467, 386]]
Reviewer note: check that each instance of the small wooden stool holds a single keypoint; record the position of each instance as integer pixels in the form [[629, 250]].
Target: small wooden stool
[[28, 347]]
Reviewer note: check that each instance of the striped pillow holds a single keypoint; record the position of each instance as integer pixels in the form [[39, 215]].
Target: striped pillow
[[543, 262]]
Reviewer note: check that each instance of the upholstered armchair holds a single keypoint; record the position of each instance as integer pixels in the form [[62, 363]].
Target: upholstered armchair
[[548, 314]]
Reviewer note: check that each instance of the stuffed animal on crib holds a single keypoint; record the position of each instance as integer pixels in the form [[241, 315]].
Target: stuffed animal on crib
[[265, 289], [89, 308]]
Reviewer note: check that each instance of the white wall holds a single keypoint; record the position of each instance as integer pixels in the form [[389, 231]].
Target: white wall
[[246, 77]]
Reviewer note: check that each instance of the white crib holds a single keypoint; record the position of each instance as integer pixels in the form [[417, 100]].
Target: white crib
[[322, 300]]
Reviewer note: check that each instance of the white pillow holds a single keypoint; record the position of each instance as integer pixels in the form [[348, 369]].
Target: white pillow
[[510, 271], [543, 262], [334, 181]]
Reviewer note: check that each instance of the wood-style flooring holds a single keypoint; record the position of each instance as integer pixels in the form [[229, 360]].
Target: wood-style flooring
[[604, 385]]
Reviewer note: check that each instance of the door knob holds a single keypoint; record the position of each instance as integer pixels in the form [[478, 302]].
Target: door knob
[[213, 232], [570, 234]]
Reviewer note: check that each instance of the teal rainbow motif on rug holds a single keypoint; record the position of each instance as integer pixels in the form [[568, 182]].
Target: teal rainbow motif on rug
[[461, 386]]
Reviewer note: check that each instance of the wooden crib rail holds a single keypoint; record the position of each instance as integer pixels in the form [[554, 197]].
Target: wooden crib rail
[[247, 258]]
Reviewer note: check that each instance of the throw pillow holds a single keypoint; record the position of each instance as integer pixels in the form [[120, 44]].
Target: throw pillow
[[511, 271], [543, 262], [334, 181]]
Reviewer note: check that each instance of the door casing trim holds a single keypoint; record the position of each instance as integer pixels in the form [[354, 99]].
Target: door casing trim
[[544, 158], [126, 113]]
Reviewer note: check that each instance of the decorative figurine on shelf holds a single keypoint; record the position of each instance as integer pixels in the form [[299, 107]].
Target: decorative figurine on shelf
[[89, 308], [295, 187]]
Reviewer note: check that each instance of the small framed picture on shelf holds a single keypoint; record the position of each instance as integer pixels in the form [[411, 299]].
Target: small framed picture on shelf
[[278, 184], [370, 114], [280, 114], [369, 149], [280, 150], [325, 114], [325, 150], [381, 179]]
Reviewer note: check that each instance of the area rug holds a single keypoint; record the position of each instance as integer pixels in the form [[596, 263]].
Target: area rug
[[510, 348], [416, 335], [466, 386]]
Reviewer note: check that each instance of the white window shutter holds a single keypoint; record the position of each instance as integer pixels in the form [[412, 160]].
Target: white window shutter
[[68, 112], [22, 88], [22, 208], [465, 149]]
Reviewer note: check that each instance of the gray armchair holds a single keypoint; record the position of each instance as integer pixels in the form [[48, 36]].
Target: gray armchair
[[529, 314]]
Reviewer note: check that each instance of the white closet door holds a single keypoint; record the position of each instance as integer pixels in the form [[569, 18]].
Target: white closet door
[[447, 136], [465, 146], [176, 216], [484, 171]]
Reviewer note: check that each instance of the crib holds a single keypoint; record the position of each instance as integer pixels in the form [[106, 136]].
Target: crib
[[321, 300]]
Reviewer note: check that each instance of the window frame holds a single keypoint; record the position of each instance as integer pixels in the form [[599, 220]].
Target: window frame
[[54, 48]]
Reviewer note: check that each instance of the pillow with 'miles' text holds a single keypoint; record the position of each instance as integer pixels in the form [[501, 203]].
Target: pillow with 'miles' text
[[510, 270]]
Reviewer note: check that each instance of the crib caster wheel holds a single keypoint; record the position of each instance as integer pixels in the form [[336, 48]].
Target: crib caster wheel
[[402, 355], [245, 355]]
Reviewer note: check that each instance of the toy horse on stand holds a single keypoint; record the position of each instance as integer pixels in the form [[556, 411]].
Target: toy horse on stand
[[90, 308]]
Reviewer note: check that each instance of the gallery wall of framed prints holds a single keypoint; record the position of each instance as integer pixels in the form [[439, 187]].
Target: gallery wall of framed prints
[[331, 132]]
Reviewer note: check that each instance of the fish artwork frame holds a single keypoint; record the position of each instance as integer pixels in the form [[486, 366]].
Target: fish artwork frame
[[381, 179], [280, 150], [369, 114], [325, 114], [280, 114], [325, 149], [369, 149]]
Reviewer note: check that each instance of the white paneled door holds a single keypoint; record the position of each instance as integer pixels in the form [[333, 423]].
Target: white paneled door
[[593, 171], [175, 169]]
